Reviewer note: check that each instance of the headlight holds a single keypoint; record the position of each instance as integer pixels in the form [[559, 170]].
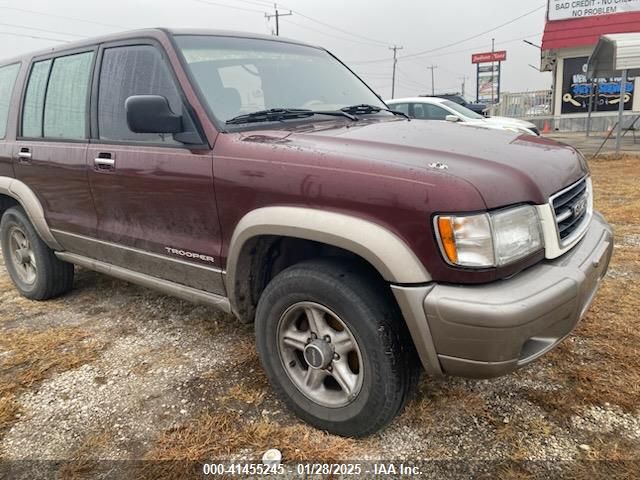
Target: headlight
[[489, 239]]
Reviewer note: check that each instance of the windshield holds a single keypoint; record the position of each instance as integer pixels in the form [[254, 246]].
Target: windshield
[[240, 76], [463, 111]]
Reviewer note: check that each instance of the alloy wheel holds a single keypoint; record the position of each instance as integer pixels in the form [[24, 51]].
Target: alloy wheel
[[320, 354]]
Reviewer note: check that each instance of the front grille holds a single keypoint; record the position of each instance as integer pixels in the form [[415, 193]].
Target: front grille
[[571, 208]]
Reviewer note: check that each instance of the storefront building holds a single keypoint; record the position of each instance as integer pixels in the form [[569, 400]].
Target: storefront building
[[572, 31]]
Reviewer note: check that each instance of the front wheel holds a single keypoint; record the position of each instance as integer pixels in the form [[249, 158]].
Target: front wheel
[[334, 347]]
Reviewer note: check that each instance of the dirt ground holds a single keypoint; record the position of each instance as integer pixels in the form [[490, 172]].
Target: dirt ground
[[114, 371]]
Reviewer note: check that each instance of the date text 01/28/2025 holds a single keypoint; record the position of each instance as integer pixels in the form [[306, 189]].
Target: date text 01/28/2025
[[215, 469]]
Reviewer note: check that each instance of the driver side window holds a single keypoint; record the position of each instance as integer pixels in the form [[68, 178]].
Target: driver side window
[[426, 111], [128, 71]]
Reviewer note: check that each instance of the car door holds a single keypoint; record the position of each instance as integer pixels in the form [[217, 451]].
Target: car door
[[52, 141], [154, 195]]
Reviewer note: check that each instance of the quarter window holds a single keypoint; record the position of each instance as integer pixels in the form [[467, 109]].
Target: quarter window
[[65, 109], [8, 76], [128, 71]]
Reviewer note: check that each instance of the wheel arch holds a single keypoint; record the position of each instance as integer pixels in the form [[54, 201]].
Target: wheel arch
[[25, 197], [387, 253]]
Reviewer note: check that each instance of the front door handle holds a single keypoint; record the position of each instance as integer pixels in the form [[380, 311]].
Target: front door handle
[[104, 161]]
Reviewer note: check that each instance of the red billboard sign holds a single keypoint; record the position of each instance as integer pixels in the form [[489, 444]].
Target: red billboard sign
[[489, 57]]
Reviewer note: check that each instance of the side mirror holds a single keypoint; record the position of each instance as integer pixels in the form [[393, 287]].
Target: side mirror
[[151, 114], [452, 118]]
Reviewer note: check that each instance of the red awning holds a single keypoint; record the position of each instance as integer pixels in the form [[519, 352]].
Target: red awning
[[586, 31]]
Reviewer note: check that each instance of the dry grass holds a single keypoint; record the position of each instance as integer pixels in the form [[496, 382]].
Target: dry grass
[[223, 434], [83, 462], [432, 399], [31, 356]]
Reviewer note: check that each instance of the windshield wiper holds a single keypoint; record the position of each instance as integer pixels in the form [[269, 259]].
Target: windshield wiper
[[364, 109], [275, 114]]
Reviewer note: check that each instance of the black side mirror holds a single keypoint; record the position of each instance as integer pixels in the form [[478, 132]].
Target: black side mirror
[[151, 114]]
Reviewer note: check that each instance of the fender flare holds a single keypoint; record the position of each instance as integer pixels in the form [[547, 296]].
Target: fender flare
[[383, 249], [20, 192]]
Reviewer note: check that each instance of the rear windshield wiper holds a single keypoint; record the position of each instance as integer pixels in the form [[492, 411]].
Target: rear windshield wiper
[[275, 114], [364, 109]]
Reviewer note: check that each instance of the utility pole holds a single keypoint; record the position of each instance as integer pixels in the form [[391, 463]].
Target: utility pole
[[395, 49], [433, 79], [277, 16], [464, 84]]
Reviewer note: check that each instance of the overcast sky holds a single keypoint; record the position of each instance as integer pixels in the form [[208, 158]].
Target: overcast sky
[[363, 32]]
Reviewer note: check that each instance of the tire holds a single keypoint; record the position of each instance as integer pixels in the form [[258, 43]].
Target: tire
[[349, 302], [33, 267]]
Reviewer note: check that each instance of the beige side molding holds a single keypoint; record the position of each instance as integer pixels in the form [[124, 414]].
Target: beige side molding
[[24, 195], [388, 253]]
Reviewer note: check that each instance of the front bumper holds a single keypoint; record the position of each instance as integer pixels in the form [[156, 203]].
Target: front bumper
[[485, 331]]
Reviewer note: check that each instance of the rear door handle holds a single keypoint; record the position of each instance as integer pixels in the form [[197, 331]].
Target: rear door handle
[[104, 161], [24, 155]]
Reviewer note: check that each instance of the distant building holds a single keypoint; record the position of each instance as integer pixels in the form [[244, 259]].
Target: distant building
[[571, 33]]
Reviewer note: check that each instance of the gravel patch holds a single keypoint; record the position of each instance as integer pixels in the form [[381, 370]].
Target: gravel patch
[[610, 420]]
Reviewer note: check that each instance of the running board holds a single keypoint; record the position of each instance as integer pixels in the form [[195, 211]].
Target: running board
[[181, 291]]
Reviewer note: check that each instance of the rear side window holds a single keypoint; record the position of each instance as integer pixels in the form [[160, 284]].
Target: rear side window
[[33, 109], [8, 76], [55, 103], [128, 71], [65, 108]]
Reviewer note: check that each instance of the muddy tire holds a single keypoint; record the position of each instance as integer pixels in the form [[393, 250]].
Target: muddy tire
[[335, 348], [33, 268]]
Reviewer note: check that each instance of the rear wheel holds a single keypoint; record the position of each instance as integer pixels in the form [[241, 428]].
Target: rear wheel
[[33, 267], [335, 347]]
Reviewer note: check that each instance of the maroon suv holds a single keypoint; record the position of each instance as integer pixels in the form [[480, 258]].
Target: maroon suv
[[263, 177]]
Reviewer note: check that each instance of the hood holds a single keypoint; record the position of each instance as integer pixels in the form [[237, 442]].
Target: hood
[[507, 121], [504, 167]]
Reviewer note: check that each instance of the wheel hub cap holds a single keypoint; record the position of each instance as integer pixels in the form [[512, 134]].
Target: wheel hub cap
[[318, 354], [22, 256]]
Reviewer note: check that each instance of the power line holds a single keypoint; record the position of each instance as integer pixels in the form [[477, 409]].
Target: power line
[[454, 43], [419, 54], [41, 30], [24, 35], [256, 2], [362, 37], [53, 15], [215, 4], [471, 49], [328, 34]]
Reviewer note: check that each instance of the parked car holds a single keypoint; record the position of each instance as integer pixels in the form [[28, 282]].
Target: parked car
[[260, 176], [477, 107], [430, 108]]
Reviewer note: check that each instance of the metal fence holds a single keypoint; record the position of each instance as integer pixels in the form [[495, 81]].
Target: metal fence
[[523, 104]]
